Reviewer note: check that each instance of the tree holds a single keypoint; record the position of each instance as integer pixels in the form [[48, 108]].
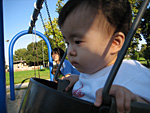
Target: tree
[[35, 53], [14, 58], [30, 54], [145, 24], [133, 49], [146, 53], [56, 38], [40, 52], [20, 54], [59, 5]]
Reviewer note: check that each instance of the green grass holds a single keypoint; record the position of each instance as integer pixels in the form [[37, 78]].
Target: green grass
[[23, 76], [142, 61]]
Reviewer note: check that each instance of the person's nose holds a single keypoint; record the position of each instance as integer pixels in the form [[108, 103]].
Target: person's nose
[[71, 51]]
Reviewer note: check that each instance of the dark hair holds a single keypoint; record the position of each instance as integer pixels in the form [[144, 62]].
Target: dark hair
[[59, 51], [117, 12]]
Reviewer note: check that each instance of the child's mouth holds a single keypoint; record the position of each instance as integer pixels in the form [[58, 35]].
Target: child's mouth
[[75, 64]]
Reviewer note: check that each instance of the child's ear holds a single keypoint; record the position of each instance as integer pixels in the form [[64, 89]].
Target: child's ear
[[117, 43]]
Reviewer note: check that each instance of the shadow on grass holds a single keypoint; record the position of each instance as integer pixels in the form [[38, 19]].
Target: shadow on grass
[[24, 80], [141, 60], [145, 65], [42, 70]]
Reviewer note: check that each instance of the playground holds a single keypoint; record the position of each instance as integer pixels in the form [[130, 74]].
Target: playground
[[13, 106], [39, 93]]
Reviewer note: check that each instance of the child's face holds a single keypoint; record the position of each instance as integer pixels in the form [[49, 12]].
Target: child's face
[[55, 56], [88, 43]]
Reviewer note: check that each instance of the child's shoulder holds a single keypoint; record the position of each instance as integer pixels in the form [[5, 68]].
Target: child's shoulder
[[67, 63], [132, 71], [133, 65], [132, 62]]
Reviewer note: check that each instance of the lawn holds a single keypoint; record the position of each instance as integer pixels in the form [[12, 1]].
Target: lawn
[[23, 76], [142, 61]]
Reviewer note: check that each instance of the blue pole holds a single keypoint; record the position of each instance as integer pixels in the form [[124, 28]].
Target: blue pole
[[3, 106], [11, 69]]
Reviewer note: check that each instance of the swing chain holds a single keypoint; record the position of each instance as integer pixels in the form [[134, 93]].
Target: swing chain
[[43, 24], [49, 17], [56, 74], [37, 52], [33, 55]]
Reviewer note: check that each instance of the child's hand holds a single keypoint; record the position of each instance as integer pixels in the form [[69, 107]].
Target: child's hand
[[73, 79], [122, 95], [65, 76]]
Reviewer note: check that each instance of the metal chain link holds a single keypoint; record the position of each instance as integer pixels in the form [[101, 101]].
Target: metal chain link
[[33, 55], [43, 23], [49, 17], [36, 51]]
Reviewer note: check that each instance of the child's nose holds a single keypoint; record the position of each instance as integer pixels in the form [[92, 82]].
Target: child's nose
[[71, 51]]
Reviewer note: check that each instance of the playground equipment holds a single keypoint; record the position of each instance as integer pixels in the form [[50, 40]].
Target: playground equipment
[[11, 70], [44, 96], [3, 108], [51, 98]]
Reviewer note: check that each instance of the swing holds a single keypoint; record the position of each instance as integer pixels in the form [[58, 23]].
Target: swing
[[35, 47], [45, 96]]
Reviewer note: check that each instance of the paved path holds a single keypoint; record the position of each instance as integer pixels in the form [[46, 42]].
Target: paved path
[[20, 90], [18, 86]]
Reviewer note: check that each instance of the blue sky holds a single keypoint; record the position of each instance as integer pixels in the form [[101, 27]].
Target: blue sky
[[17, 15]]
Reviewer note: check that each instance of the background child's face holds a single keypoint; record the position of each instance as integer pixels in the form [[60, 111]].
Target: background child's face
[[88, 43], [55, 56]]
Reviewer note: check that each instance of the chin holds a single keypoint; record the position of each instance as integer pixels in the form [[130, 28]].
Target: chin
[[81, 71]]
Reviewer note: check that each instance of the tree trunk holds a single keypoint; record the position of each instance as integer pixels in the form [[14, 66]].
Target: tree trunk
[[147, 63]]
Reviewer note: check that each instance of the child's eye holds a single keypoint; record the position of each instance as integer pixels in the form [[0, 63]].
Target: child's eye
[[78, 42]]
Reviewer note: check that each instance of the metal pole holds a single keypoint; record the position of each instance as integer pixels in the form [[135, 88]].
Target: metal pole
[[36, 12], [3, 106], [43, 53], [11, 68]]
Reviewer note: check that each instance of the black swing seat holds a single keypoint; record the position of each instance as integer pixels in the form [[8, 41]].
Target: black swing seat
[[43, 96]]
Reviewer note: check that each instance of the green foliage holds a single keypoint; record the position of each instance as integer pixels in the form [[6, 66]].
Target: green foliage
[[34, 53], [20, 54], [14, 58], [142, 29], [135, 56], [57, 39], [133, 49], [59, 5], [146, 53], [145, 24]]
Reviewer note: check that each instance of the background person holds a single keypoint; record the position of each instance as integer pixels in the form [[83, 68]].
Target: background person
[[66, 69]]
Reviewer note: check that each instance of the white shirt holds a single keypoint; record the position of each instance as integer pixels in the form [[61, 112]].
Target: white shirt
[[131, 75]]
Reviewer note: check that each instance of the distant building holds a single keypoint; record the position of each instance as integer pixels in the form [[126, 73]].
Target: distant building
[[19, 64]]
